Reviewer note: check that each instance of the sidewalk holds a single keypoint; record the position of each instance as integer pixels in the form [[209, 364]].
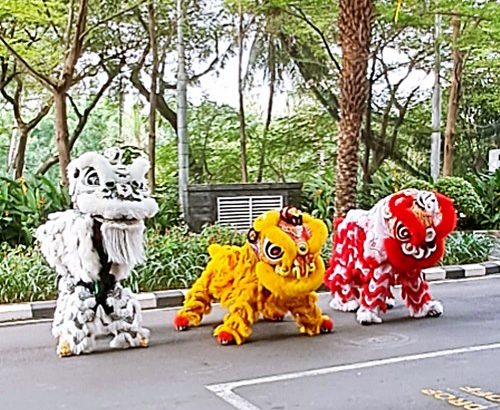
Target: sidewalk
[[174, 298]]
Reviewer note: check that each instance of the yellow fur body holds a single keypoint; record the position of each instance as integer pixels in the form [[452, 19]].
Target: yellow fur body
[[248, 286]]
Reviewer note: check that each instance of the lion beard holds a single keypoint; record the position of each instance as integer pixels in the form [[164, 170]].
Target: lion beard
[[123, 242]]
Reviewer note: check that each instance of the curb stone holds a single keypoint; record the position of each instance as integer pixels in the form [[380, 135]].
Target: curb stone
[[174, 298]]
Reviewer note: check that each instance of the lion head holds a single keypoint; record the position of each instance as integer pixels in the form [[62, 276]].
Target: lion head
[[287, 245], [111, 185], [417, 223]]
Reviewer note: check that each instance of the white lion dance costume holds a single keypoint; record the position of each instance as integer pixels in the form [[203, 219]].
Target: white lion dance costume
[[388, 245], [96, 245]]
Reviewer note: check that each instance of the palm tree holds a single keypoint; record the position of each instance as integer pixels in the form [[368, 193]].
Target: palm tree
[[355, 22]]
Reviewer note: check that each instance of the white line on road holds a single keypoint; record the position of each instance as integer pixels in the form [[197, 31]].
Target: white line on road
[[226, 393]]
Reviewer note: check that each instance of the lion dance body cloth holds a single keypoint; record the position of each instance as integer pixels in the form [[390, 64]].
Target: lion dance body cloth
[[277, 270], [387, 245], [95, 246]]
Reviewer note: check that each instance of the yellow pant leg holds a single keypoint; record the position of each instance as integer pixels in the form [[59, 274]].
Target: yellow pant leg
[[307, 314], [243, 312], [198, 300], [273, 308]]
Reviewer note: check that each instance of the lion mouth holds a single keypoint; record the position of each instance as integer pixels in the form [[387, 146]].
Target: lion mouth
[[300, 269], [418, 252], [117, 221]]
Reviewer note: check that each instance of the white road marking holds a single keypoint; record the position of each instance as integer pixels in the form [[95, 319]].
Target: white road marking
[[226, 393]]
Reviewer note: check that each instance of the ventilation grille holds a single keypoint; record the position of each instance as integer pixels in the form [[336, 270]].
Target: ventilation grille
[[240, 211]]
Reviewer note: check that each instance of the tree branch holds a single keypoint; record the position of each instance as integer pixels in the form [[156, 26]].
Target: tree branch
[[320, 33], [44, 80]]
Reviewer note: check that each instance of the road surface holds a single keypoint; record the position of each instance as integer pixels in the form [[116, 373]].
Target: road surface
[[446, 363]]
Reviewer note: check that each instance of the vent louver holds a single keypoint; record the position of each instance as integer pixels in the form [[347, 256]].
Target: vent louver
[[240, 211]]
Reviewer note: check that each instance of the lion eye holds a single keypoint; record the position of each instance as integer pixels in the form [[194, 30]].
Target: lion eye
[[92, 177], [402, 232], [273, 252]]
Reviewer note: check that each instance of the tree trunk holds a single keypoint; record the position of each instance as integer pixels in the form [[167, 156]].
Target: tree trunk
[[355, 21], [182, 135], [152, 95], [62, 139], [21, 152], [454, 98], [243, 137], [272, 82]]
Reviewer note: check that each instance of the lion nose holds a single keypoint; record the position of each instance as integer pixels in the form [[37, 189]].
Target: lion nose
[[123, 190]]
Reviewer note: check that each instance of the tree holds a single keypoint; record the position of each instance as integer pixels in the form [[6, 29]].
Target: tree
[[153, 93], [454, 97], [69, 38], [11, 77], [355, 20], [182, 135], [241, 102]]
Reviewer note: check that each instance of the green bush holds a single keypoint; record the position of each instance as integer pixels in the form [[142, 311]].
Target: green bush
[[418, 184], [24, 276], [319, 197], [175, 259], [467, 247], [467, 202], [23, 206], [167, 197], [487, 187]]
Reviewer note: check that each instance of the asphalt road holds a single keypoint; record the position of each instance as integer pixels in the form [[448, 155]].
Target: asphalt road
[[401, 364]]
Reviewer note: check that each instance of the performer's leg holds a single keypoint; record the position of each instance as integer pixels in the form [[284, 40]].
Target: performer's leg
[[308, 316], [373, 295], [72, 325], [124, 321], [415, 292]]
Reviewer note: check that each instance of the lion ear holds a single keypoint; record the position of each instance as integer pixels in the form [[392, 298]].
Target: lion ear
[[448, 215]]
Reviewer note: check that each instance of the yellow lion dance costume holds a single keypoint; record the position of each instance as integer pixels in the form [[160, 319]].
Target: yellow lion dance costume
[[276, 271]]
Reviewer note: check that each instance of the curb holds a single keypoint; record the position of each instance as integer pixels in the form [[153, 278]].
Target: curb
[[174, 298]]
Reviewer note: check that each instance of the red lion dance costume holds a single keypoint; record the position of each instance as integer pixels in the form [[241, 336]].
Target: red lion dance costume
[[387, 245]]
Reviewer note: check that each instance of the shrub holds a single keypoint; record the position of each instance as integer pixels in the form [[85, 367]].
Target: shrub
[[418, 184], [24, 276], [319, 197], [467, 201], [176, 258], [167, 197], [467, 247], [24, 204], [487, 187], [389, 178]]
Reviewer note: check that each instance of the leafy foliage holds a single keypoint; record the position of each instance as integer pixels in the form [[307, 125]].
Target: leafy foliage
[[487, 187], [24, 204], [175, 259], [319, 197], [24, 276], [467, 202], [467, 247]]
